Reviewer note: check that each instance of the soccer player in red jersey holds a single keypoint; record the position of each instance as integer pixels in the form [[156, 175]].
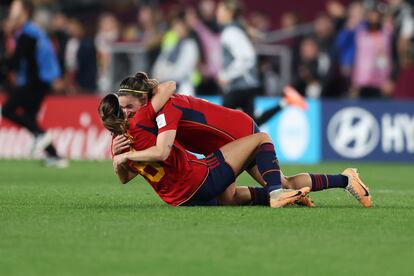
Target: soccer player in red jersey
[[203, 127], [177, 176]]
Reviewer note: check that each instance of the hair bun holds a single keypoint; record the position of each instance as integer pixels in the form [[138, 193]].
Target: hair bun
[[141, 75]]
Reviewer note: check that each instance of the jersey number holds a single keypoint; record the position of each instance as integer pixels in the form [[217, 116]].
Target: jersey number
[[153, 171]]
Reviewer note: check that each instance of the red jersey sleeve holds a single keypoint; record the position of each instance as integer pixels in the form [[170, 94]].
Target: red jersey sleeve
[[168, 118]]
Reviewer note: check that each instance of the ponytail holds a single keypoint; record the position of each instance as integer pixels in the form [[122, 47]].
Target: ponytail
[[112, 116]]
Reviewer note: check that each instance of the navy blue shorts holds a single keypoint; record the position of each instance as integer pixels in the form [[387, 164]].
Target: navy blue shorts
[[219, 178]]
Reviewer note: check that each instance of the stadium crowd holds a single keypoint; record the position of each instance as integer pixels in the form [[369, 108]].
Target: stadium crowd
[[364, 49]]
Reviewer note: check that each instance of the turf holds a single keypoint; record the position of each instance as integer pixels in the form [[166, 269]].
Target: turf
[[80, 221]]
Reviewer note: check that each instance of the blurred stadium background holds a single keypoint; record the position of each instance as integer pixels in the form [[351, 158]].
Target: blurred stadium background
[[308, 45], [54, 222]]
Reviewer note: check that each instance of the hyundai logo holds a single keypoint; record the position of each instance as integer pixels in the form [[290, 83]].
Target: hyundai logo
[[353, 132]]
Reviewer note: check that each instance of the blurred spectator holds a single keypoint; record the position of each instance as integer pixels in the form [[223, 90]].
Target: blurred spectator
[[311, 70], [36, 68], [3, 57], [402, 48], [129, 33], [325, 36], [108, 33], [42, 18], [259, 25], [346, 41], [7, 45], [207, 13], [289, 21], [150, 31], [239, 77], [178, 60], [80, 60], [403, 35], [211, 52], [258, 29], [371, 76], [334, 33], [314, 68], [59, 37], [327, 59], [337, 11]]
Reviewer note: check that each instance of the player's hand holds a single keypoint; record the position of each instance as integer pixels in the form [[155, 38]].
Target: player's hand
[[116, 165], [119, 160], [120, 144]]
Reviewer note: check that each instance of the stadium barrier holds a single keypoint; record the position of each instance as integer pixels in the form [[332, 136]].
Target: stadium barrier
[[328, 130], [368, 130], [74, 124], [295, 133]]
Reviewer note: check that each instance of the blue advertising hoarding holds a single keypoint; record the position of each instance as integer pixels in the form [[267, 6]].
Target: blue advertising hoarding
[[295, 133], [368, 130]]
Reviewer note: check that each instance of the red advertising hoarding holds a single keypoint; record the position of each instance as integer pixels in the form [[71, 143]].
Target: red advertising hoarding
[[74, 124]]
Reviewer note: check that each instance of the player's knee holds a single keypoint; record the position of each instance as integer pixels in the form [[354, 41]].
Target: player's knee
[[264, 137]]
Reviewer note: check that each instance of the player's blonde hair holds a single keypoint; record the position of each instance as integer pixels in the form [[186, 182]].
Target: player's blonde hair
[[112, 116]]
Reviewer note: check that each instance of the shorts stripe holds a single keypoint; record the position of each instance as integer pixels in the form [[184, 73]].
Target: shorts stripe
[[319, 177], [212, 161]]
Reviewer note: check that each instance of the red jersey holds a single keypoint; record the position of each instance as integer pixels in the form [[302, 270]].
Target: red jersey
[[177, 178], [203, 127]]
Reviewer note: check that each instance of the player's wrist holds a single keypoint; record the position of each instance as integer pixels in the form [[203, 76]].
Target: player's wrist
[[126, 156]]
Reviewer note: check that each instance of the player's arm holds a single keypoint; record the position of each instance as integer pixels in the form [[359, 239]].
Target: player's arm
[[123, 172], [162, 94], [120, 144], [159, 152]]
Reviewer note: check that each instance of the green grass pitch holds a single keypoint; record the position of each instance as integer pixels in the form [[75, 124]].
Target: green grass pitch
[[80, 221]]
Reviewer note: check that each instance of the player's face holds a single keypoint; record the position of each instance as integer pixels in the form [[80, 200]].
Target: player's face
[[129, 105]]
